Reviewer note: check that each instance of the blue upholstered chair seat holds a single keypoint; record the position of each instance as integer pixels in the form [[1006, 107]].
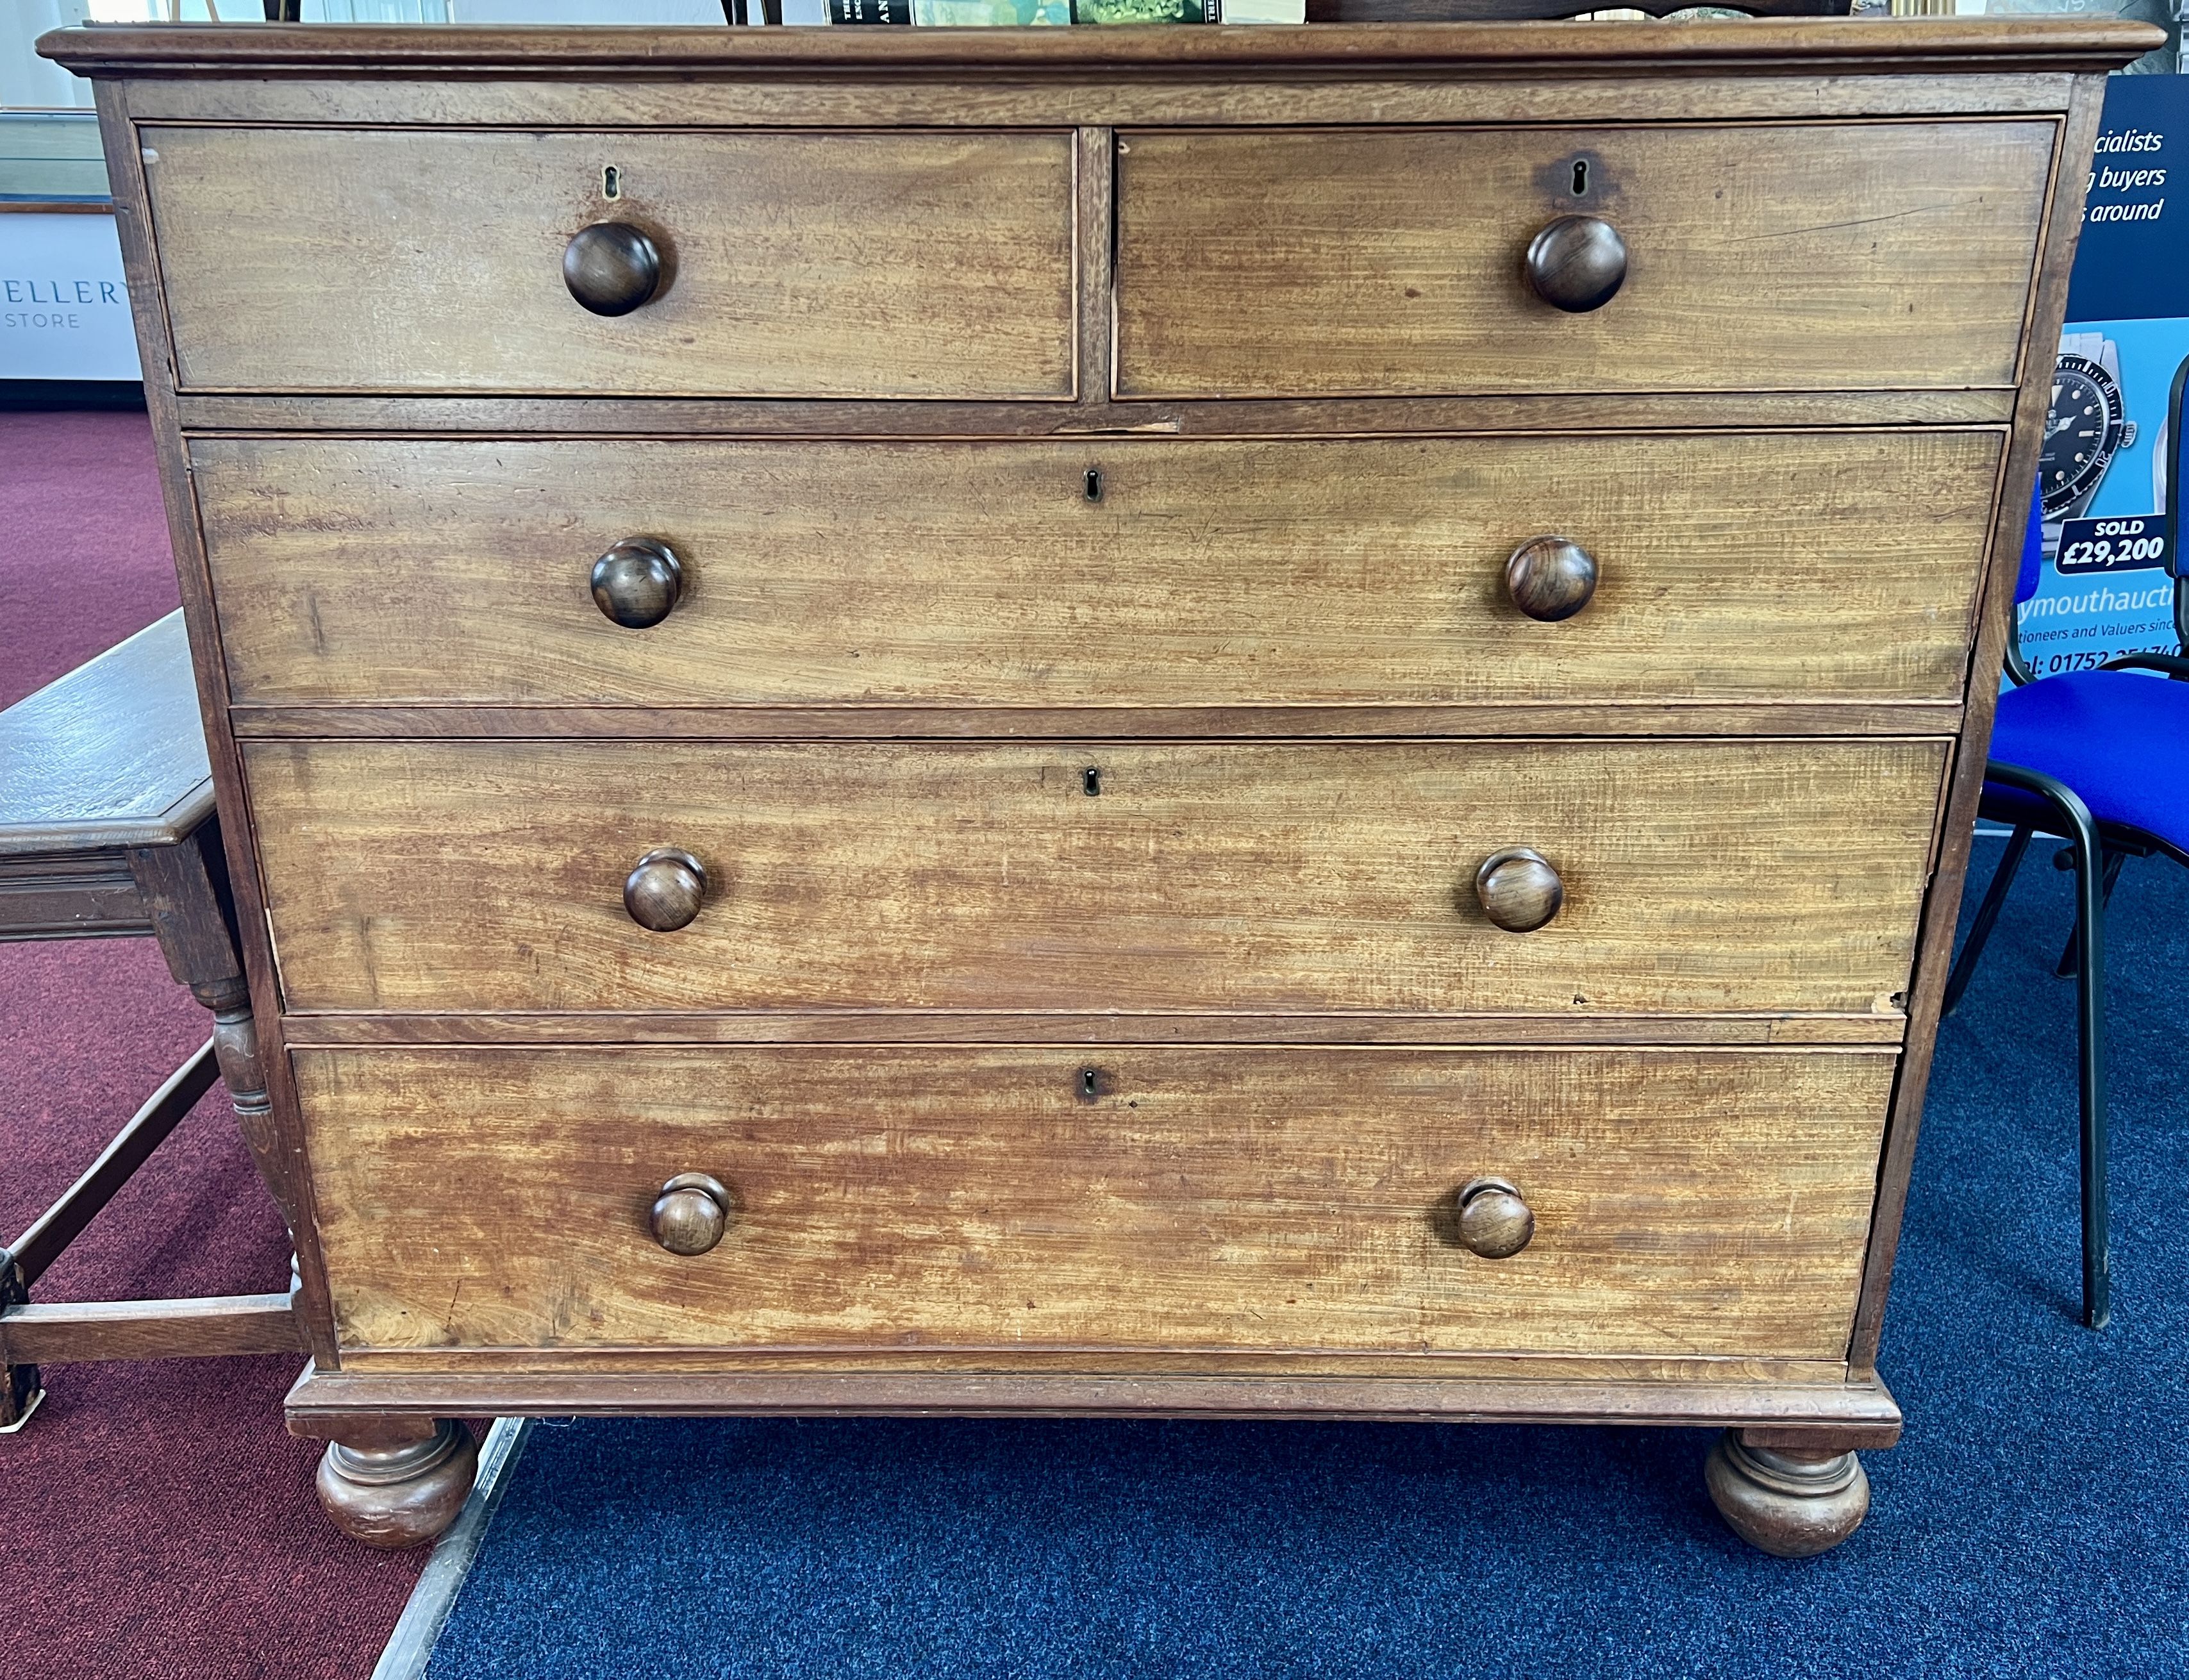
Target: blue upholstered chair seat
[[2119, 738]]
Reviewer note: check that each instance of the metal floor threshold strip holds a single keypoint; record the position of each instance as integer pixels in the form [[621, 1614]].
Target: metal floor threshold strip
[[410, 1647]]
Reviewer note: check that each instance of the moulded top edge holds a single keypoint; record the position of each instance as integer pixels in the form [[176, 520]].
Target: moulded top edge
[[1836, 46]]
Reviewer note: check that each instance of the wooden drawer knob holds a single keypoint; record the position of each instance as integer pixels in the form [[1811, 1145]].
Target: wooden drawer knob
[[1549, 578], [1494, 1222], [665, 891], [691, 1213], [1577, 264], [611, 268], [638, 582], [1519, 889]]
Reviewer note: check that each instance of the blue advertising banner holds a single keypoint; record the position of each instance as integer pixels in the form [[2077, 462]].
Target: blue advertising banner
[[2108, 585]]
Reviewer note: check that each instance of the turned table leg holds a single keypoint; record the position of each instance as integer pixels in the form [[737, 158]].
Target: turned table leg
[[235, 1043], [394, 1482], [1792, 1502], [185, 890]]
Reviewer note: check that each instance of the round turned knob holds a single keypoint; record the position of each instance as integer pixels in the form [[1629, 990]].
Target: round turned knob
[[663, 892], [1519, 889], [611, 268], [1549, 578], [692, 1212], [637, 582], [1577, 264], [1494, 1222]]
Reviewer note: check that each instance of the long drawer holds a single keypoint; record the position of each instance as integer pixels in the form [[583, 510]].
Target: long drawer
[[1789, 258], [1358, 571], [901, 264], [1760, 875], [1685, 1202]]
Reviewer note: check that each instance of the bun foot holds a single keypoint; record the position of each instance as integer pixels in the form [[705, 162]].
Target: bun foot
[[391, 1486], [1791, 1505]]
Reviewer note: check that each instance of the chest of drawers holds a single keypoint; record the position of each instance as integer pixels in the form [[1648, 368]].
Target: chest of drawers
[[1268, 722]]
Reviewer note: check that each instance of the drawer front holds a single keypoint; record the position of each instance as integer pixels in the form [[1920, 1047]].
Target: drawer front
[[1213, 572], [1698, 875], [903, 264], [1780, 258], [1685, 1202]]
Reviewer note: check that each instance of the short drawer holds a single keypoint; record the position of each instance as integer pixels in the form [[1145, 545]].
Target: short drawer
[[1743, 566], [1683, 1203], [909, 265], [1886, 256], [1698, 876]]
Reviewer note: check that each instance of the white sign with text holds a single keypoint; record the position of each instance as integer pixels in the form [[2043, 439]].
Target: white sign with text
[[63, 305]]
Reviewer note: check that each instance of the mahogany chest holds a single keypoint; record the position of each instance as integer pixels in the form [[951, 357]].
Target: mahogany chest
[[1237, 721]]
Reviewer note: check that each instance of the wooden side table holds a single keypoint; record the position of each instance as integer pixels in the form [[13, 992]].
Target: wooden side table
[[107, 830]]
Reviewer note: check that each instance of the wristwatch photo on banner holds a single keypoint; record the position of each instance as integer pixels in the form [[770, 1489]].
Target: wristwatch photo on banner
[[2087, 426]]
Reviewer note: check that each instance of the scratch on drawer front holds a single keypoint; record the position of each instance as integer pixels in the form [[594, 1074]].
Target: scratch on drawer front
[[1858, 222]]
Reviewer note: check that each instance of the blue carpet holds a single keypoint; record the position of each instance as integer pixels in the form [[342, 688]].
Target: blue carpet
[[2034, 1520]]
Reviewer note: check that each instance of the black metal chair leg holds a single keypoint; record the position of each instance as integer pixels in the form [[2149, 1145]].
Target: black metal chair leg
[[2065, 968], [1994, 900], [2090, 999]]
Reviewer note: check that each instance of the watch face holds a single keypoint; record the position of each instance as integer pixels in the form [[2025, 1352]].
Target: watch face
[[2081, 433]]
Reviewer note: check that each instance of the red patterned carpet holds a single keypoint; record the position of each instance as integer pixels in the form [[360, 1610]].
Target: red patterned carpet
[[161, 1520]]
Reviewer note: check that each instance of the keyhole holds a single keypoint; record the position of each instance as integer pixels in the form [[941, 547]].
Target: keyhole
[[611, 181], [1094, 484], [1090, 781], [1580, 178], [1090, 1083]]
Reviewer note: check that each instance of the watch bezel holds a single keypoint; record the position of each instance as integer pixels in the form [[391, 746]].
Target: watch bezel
[[2056, 503]]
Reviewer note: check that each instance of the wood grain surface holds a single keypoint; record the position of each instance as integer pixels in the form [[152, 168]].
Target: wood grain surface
[[1686, 1202], [1699, 875], [1541, 719], [379, 59], [897, 265], [1276, 96], [325, 1401], [199, 1327], [1767, 259], [699, 1361], [1096, 414], [1352, 571], [1004, 1027], [110, 755]]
